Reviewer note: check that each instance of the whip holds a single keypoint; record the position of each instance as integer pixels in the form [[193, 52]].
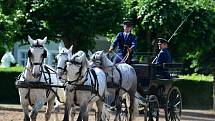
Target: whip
[[179, 26]]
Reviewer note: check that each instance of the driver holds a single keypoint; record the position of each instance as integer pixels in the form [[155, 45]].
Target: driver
[[162, 57], [126, 42]]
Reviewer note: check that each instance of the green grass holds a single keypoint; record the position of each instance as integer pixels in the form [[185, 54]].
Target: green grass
[[197, 77], [12, 69]]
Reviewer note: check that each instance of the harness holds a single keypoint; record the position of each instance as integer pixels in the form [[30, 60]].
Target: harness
[[38, 85], [93, 88]]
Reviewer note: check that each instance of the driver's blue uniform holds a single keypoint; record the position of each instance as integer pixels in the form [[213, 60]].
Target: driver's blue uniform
[[123, 44], [163, 57]]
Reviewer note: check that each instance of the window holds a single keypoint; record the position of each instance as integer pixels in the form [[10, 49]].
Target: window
[[23, 58]]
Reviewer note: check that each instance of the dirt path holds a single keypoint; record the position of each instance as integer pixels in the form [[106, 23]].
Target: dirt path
[[14, 113]]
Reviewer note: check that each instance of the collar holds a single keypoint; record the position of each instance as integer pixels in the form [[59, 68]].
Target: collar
[[124, 33]]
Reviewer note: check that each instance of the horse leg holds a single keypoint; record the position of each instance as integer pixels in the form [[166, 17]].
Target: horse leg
[[35, 110], [26, 113], [50, 104], [100, 107], [56, 109], [118, 108], [83, 114], [103, 114], [67, 107], [72, 113]]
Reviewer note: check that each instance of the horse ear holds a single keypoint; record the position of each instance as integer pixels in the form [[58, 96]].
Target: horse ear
[[92, 57], [45, 39], [31, 41], [89, 53], [71, 47]]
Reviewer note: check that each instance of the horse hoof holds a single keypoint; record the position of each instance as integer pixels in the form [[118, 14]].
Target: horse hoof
[[33, 116], [26, 119]]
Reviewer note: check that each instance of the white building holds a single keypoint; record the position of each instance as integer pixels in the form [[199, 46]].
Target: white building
[[20, 51]]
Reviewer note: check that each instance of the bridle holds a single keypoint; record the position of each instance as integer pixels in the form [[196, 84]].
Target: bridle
[[32, 64], [62, 68], [78, 64]]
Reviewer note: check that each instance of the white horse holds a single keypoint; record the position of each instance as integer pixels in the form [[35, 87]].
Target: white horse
[[85, 85], [121, 79], [35, 84], [7, 59]]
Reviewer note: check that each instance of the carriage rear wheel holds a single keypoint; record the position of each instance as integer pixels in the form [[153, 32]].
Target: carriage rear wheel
[[173, 105]]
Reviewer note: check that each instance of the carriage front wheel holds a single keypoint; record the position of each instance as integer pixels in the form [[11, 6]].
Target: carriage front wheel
[[173, 105]]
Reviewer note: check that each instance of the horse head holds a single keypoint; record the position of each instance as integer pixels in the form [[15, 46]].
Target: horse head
[[100, 59], [36, 55], [77, 65], [61, 59], [7, 59]]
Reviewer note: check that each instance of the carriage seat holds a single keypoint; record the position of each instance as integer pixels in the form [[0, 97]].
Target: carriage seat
[[173, 69]]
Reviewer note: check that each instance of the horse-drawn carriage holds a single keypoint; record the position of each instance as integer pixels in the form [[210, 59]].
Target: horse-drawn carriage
[[164, 94], [85, 83]]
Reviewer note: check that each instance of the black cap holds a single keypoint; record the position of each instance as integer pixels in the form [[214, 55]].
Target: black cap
[[162, 40], [127, 23]]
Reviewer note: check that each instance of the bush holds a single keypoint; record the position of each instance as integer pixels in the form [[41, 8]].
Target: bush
[[12, 69], [8, 91], [196, 94]]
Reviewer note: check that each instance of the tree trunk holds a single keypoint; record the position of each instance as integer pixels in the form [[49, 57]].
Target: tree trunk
[[214, 91]]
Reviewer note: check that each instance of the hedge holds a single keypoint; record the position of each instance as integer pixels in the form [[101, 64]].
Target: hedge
[[8, 92]]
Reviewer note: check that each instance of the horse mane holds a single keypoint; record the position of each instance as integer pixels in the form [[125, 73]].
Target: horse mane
[[106, 61], [101, 57], [85, 61]]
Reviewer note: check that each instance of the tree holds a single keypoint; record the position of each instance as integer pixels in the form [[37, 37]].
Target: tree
[[10, 16], [193, 41], [77, 21]]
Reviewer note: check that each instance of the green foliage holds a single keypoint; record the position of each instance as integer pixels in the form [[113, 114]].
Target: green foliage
[[76, 22], [8, 90], [196, 94], [12, 69], [160, 18], [197, 77], [73, 21], [9, 23]]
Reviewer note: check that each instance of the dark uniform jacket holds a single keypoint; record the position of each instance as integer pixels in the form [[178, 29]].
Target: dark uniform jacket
[[123, 44], [163, 57]]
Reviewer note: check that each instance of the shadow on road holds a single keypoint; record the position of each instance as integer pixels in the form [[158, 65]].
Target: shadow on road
[[198, 115]]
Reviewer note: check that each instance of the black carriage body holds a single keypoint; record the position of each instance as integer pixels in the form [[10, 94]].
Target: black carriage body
[[149, 83]]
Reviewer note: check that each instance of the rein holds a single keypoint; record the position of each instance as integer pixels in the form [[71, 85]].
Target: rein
[[122, 59]]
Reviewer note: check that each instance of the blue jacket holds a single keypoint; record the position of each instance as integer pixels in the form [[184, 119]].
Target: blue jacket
[[123, 44], [163, 57]]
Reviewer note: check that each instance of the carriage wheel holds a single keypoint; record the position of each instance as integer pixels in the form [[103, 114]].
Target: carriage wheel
[[173, 105], [153, 113]]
